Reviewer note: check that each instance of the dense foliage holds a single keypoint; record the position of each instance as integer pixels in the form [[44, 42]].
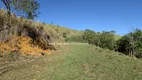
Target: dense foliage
[[131, 44], [105, 39]]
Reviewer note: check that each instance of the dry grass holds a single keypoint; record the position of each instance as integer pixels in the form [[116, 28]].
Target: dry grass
[[24, 36], [22, 45], [61, 30], [16, 24]]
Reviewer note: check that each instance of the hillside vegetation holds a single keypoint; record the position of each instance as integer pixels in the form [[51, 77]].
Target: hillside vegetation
[[129, 44], [26, 36], [14, 29], [17, 30]]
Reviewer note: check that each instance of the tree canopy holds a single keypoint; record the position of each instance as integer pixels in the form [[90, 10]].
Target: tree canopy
[[105, 39], [131, 43], [24, 8]]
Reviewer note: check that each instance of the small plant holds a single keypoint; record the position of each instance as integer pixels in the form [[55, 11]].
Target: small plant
[[42, 53], [64, 35], [13, 55]]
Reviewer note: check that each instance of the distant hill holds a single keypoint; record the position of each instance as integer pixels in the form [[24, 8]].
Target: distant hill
[[59, 30], [63, 32]]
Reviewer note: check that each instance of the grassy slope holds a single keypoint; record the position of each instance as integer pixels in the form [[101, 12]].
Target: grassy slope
[[80, 62], [66, 30], [117, 37], [59, 30]]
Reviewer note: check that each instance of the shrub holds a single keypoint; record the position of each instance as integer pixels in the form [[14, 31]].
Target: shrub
[[105, 39], [64, 35], [131, 44]]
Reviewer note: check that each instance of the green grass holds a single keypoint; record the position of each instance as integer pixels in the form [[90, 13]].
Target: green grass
[[79, 62], [117, 37], [59, 30]]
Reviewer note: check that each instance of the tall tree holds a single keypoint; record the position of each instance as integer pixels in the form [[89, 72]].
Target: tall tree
[[7, 4], [24, 8]]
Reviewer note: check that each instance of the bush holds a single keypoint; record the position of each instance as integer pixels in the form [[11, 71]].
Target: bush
[[131, 44], [64, 35], [105, 39]]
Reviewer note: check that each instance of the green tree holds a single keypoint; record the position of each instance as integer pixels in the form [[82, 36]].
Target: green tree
[[107, 40], [131, 44], [88, 35], [24, 8]]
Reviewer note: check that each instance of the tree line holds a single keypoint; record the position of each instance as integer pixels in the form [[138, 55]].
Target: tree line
[[129, 44], [105, 39]]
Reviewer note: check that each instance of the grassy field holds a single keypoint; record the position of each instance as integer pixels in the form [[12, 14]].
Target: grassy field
[[79, 62]]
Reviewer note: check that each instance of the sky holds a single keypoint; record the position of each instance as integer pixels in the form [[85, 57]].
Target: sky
[[98, 15]]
